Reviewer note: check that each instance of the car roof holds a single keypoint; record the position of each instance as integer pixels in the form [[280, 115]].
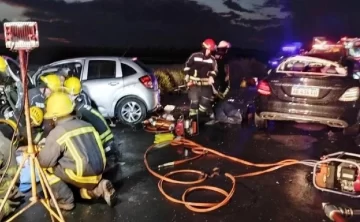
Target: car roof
[[90, 57]]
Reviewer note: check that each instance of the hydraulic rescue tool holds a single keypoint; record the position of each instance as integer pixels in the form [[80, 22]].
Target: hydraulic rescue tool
[[338, 173], [181, 127], [338, 214]]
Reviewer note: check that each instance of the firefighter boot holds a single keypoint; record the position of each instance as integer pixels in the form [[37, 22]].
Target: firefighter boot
[[105, 190]]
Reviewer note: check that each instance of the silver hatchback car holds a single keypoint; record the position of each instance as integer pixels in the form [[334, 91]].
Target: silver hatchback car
[[120, 87]]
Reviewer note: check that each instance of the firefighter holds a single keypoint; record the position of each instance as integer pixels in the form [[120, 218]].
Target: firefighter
[[73, 154], [85, 111], [14, 200], [37, 96], [201, 70], [224, 111]]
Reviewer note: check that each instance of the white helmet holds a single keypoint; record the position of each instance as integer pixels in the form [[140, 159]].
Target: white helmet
[[224, 44]]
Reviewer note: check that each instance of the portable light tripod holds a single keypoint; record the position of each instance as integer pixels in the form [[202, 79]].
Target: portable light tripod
[[23, 37]]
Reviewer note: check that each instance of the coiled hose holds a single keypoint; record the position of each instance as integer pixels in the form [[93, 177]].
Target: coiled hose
[[200, 151]]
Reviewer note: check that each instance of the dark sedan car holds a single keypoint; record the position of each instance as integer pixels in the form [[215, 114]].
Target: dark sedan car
[[308, 89]]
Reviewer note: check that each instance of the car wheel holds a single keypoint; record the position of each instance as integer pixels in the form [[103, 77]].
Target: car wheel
[[131, 111], [259, 122]]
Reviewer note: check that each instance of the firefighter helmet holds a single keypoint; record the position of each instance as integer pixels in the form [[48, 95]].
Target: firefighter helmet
[[58, 105], [209, 44], [73, 85], [224, 44], [52, 81], [3, 64], [36, 116]]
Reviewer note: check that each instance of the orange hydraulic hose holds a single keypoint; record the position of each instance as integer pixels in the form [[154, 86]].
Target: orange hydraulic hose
[[201, 207]]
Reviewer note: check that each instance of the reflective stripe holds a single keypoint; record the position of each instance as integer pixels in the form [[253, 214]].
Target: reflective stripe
[[76, 156], [193, 112], [199, 59], [84, 194], [9, 122], [73, 151], [108, 138], [51, 178], [202, 108], [194, 78], [38, 137], [105, 134], [81, 179]]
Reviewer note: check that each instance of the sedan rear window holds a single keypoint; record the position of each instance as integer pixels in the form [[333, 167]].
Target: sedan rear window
[[311, 66]]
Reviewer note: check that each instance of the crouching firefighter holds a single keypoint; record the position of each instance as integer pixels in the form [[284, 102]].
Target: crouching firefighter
[[224, 111], [15, 198], [86, 112], [37, 96], [73, 154], [201, 69]]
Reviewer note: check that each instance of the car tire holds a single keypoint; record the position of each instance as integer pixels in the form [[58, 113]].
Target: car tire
[[259, 122], [131, 106]]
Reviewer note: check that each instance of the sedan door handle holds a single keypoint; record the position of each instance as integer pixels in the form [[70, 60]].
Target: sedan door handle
[[113, 83]]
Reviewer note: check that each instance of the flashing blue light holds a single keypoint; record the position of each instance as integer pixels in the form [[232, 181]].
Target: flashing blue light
[[273, 62], [289, 48], [293, 47]]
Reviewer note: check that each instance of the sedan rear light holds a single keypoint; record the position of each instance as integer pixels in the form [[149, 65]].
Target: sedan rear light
[[146, 81], [263, 88], [350, 95]]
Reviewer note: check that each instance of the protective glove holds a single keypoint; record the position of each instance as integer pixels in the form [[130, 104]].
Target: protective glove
[[187, 78], [211, 80]]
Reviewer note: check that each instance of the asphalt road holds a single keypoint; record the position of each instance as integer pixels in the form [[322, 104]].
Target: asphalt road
[[282, 196]]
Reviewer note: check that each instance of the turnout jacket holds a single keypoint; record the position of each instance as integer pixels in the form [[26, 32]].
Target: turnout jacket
[[74, 147], [222, 80], [36, 98], [86, 112], [198, 67]]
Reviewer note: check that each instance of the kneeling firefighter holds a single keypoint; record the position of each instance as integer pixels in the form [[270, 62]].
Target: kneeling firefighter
[[37, 96], [201, 69], [73, 154], [86, 112], [14, 200], [224, 111]]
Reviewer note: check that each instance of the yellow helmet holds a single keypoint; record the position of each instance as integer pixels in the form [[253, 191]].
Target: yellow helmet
[[52, 81], [36, 116], [3, 64], [58, 105], [73, 85]]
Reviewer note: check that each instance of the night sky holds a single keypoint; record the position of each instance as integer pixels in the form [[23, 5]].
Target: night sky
[[253, 24]]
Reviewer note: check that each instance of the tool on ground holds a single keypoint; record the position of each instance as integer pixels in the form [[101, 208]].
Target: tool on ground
[[180, 127], [197, 151], [338, 214], [24, 37], [338, 173]]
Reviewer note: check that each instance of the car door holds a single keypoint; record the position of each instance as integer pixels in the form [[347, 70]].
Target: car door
[[101, 80]]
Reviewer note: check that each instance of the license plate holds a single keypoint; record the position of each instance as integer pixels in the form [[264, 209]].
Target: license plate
[[305, 91]]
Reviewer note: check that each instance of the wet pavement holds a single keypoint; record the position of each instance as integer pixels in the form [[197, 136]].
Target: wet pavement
[[284, 195]]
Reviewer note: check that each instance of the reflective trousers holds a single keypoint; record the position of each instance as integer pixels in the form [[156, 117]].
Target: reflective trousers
[[58, 180], [201, 98]]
